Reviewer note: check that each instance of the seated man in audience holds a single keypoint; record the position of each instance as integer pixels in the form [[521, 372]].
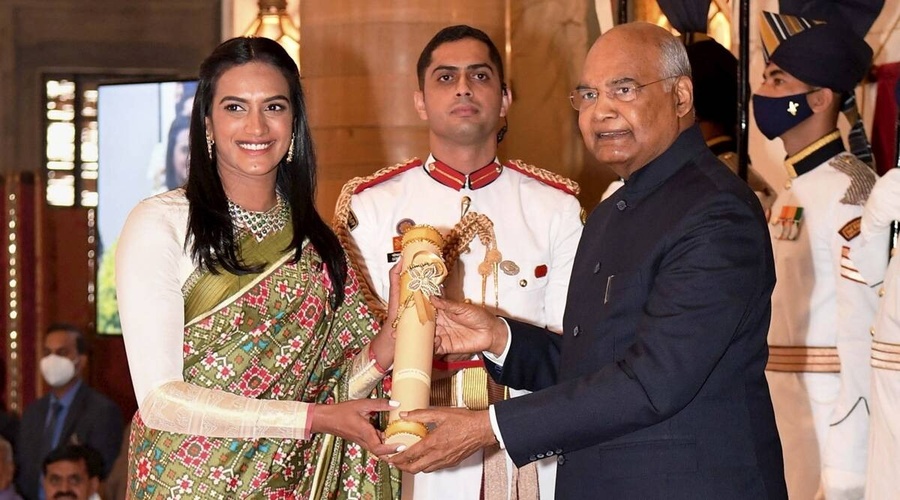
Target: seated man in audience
[[7, 471], [72, 471]]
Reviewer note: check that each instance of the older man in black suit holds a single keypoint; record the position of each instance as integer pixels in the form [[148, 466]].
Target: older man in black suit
[[656, 389]]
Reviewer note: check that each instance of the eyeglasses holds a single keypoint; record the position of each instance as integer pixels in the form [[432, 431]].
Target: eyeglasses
[[586, 97]]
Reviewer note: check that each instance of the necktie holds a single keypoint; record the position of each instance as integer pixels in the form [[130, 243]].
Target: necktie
[[49, 441]]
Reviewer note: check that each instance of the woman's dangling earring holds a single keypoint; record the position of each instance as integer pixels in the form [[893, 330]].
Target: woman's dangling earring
[[209, 146], [290, 153]]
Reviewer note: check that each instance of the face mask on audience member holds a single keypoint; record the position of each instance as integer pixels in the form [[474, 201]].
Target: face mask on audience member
[[57, 370], [776, 115]]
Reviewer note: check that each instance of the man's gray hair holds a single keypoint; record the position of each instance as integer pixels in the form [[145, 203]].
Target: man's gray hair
[[673, 60]]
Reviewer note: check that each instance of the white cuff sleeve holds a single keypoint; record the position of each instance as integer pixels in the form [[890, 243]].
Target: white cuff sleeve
[[185, 408], [499, 360], [365, 373]]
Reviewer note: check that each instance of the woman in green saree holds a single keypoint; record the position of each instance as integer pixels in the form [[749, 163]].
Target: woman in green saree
[[256, 363]]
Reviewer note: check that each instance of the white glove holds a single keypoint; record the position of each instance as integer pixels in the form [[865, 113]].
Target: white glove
[[883, 204]]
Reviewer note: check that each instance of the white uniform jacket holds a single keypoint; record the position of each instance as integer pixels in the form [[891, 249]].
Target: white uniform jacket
[[822, 309], [537, 228], [884, 433]]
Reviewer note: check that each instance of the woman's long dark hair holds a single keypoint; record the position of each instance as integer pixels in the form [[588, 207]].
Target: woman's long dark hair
[[209, 223]]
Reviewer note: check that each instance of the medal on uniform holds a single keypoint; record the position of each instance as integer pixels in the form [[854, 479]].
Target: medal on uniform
[[403, 225], [509, 268], [789, 223]]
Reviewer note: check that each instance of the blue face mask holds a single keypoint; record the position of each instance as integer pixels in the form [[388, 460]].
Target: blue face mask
[[776, 115]]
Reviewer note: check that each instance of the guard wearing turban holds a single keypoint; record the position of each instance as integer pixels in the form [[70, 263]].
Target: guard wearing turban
[[822, 307]]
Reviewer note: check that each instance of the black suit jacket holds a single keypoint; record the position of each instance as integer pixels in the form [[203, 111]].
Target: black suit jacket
[[656, 389], [93, 419]]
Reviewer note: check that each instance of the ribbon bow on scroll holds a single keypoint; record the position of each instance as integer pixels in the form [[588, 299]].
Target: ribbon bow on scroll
[[424, 277]]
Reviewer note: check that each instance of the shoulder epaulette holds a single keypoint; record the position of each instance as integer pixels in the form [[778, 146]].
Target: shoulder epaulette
[[862, 178], [363, 183], [547, 177], [345, 221], [344, 218]]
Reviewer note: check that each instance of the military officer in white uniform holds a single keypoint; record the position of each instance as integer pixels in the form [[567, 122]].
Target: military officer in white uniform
[[883, 207], [822, 307], [536, 221]]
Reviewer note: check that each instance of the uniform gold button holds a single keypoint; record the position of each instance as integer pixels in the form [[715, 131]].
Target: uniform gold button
[[523, 283], [468, 301], [872, 331], [881, 292], [787, 184]]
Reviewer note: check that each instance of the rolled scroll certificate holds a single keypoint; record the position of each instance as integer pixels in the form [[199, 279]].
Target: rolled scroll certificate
[[420, 278]]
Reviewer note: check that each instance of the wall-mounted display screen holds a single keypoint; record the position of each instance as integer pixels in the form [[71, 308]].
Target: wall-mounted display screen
[[143, 150]]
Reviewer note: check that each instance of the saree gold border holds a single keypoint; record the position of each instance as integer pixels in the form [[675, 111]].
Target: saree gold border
[[231, 298], [210, 288], [886, 356], [324, 461], [803, 359]]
